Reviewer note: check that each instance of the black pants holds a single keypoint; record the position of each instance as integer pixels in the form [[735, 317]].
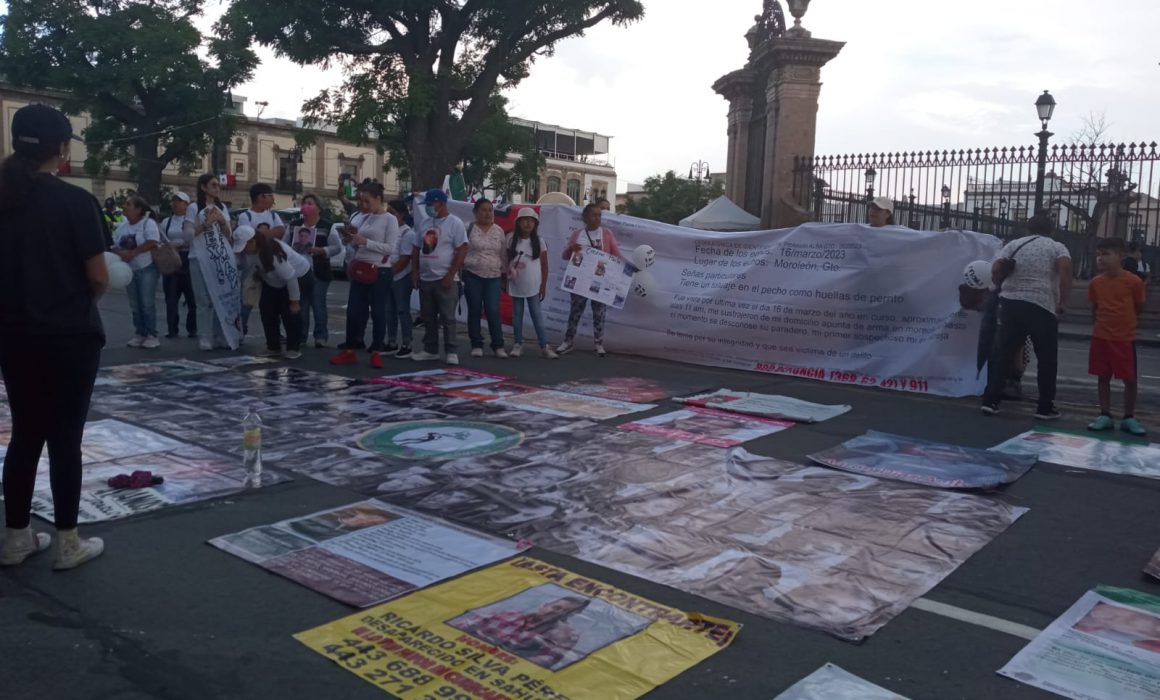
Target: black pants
[[275, 310], [176, 286], [50, 382], [1017, 321]]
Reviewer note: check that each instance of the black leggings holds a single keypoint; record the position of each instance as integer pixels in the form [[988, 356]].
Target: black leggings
[[50, 383]]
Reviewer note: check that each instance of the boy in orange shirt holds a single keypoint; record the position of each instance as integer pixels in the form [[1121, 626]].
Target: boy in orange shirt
[[1116, 297]]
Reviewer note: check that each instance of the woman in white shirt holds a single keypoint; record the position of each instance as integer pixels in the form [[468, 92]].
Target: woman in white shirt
[[279, 267], [404, 284], [527, 279], [211, 259], [483, 270], [135, 238]]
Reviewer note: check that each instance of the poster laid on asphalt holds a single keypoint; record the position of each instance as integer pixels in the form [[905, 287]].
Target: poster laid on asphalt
[[1105, 647], [365, 553], [1084, 451], [520, 629], [561, 403], [831, 682], [1153, 567], [926, 462], [836, 302], [599, 276], [765, 405], [628, 389], [707, 426], [438, 380], [165, 370]]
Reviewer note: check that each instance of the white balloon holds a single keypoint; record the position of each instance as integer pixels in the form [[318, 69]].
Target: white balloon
[[643, 284], [120, 274], [644, 256]]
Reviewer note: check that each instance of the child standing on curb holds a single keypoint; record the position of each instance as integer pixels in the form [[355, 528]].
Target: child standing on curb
[[1117, 298]]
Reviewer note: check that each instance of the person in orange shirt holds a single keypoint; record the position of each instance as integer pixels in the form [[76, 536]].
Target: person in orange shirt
[[1116, 297]]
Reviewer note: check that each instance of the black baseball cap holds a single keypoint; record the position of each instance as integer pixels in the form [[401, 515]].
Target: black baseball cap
[[37, 127]]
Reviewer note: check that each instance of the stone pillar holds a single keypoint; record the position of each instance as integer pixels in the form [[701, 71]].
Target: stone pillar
[[737, 88]]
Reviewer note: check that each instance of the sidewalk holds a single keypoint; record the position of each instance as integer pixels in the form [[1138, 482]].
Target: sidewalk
[[1145, 337]]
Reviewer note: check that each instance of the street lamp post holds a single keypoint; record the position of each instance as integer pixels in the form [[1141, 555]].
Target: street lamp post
[[699, 171], [871, 174], [913, 223], [1045, 107], [946, 200], [1002, 216]]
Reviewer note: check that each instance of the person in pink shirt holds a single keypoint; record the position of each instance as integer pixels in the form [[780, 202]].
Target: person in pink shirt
[[591, 235]]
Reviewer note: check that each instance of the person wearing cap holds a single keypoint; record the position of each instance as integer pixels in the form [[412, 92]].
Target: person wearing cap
[[527, 279], [52, 272], [136, 238], [483, 271], [880, 212], [442, 248], [176, 231], [600, 238]]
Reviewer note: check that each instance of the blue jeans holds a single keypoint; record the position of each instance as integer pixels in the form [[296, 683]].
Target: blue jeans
[[482, 296], [368, 300], [403, 289], [317, 306], [142, 292], [537, 319]]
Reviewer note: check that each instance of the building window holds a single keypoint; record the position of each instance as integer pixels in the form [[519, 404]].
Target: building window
[[287, 174], [532, 191], [240, 168], [574, 189], [349, 169], [553, 183]]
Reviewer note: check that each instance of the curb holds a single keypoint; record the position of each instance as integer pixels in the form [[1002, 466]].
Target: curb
[[1149, 339]]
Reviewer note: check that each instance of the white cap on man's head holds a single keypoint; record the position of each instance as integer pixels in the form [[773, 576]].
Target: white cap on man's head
[[883, 203], [182, 196], [977, 275]]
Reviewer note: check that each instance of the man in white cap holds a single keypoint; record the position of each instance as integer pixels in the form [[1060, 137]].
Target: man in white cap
[[880, 212], [177, 230]]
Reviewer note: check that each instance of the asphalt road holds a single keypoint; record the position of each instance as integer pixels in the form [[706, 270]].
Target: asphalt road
[[163, 615]]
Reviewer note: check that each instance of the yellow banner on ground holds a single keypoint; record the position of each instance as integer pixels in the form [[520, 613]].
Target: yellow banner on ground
[[520, 630]]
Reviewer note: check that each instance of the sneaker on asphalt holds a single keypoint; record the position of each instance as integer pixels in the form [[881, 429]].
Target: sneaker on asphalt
[[517, 350], [990, 409], [377, 360], [1104, 422], [72, 550], [452, 358], [151, 343], [172, 335], [205, 345], [600, 351], [550, 354], [501, 353], [1132, 426], [424, 356], [268, 353], [391, 347], [346, 357], [136, 342], [293, 355], [404, 352], [477, 352], [21, 544], [564, 347], [1048, 414], [319, 344]]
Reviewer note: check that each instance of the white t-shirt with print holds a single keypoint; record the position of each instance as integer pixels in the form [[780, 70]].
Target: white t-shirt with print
[[524, 272], [437, 245], [1036, 276], [255, 218], [130, 236], [408, 241]]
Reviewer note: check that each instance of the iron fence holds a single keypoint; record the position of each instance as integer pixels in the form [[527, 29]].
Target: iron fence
[[1090, 190]]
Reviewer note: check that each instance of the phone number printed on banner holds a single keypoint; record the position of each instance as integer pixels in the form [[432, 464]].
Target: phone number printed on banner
[[841, 377]]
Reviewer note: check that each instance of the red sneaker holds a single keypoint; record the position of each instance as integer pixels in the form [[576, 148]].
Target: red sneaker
[[346, 357], [377, 360]]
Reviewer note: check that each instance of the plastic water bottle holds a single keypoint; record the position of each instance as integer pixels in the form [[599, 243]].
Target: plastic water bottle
[[252, 444]]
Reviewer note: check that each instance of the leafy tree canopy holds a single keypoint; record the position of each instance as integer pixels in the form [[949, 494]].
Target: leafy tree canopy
[[670, 198]]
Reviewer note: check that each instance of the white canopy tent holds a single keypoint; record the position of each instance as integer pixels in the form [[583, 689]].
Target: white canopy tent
[[722, 215]]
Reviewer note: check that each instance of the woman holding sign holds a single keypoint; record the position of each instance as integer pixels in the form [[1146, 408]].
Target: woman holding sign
[[591, 235]]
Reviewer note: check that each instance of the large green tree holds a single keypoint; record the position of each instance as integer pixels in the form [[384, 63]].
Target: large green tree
[[422, 77], [154, 87], [670, 198]]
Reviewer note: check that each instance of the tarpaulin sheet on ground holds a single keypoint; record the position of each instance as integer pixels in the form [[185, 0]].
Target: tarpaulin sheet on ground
[[520, 629], [707, 426], [924, 461], [628, 389], [164, 370], [561, 403], [437, 380], [833, 683], [1105, 647], [1153, 567], [765, 405], [1085, 451], [112, 447], [365, 553]]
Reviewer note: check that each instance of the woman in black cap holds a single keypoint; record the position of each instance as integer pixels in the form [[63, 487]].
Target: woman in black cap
[[52, 272]]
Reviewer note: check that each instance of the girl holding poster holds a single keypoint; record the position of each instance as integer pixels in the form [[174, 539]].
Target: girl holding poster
[[592, 235], [527, 279]]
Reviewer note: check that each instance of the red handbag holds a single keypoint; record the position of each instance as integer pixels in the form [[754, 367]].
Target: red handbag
[[364, 272]]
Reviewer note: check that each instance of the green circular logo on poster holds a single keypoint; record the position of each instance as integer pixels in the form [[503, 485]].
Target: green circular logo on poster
[[440, 439]]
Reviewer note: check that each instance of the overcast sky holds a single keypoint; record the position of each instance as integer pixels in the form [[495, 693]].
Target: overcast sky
[[915, 74]]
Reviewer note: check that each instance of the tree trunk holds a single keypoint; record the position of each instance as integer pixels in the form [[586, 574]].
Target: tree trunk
[[148, 166]]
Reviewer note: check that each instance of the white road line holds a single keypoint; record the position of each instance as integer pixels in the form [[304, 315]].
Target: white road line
[[989, 621]]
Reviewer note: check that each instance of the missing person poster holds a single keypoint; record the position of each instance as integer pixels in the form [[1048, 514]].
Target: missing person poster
[[599, 276], [831, 682], [1105, 647], [1085, 451], [521, 629]]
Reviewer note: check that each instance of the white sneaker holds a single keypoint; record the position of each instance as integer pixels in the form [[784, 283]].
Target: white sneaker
[[517, 350], [600, 351], [550, 354], [293, 355], [477, 352], [136, 342], [205, 345], [564, 348], [151, 343], [501, 353], [424, 356], [452, 358], [72, 550], [21, 544]]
